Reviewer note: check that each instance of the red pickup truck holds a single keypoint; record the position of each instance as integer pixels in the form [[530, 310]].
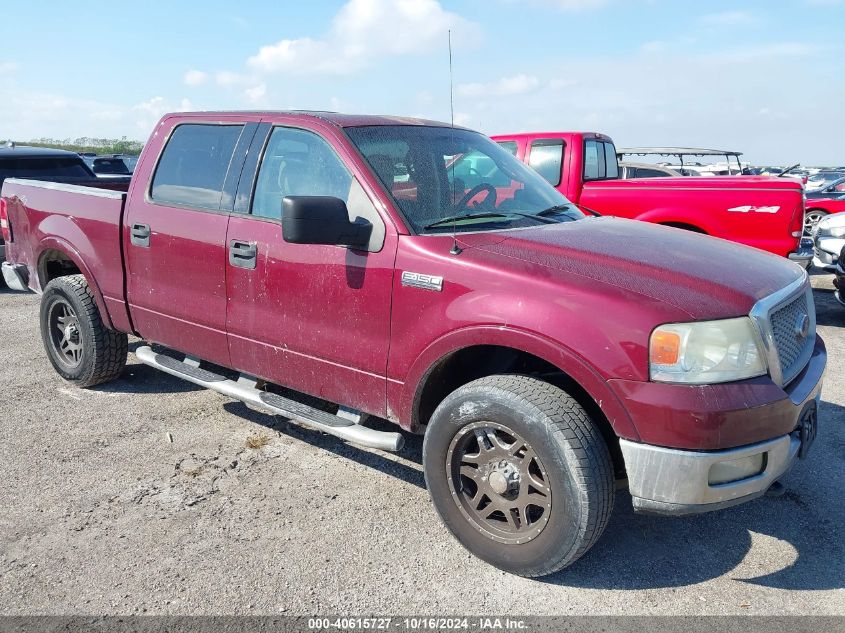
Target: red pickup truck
[[760, 211], [327, 268]]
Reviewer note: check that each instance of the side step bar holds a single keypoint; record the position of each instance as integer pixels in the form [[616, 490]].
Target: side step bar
[[341, 427]]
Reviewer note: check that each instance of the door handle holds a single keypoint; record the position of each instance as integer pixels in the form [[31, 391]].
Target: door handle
[[243, 254], [140, 235]]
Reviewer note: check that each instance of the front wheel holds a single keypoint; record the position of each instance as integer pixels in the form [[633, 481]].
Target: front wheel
[[518, 473], [80, 347]]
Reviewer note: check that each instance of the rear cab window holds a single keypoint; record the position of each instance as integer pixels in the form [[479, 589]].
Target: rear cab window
[[600, 161], [192, 168]]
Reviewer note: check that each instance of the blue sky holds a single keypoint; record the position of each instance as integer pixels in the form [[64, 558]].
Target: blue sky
[[761, 76]]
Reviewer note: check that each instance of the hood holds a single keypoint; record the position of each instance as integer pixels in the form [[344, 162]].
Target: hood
[[706, 277]]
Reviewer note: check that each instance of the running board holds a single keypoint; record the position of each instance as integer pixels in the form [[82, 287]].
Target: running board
[[244, 391]]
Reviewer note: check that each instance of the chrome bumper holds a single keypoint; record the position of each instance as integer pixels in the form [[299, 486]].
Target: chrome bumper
[[16, 277], [676, 482]]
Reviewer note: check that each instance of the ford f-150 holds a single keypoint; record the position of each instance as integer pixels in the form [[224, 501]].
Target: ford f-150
[[760, 211], [279, 258]]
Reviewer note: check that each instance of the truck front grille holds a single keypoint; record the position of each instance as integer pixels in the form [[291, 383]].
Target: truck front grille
[[787, 324], [790, 345]]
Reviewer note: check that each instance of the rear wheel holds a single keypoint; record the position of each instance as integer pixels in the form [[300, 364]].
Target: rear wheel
[[80, 347], [518, 473]]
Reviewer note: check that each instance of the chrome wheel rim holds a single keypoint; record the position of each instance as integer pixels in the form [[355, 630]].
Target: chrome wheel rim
[[811, 220], [65, 334], [499, 483]]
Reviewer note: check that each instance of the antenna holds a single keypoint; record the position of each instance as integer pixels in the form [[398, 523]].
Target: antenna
[[455, 250]]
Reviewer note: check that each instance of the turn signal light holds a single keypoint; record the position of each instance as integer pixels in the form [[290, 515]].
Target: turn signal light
[[665, 347]]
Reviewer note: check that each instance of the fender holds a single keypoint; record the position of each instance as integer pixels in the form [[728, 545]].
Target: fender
[[58, 244], [554, 353], [678, 216]]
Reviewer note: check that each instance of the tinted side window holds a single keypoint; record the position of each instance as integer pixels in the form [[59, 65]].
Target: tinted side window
[[547, 157], [511, 146], [593, 160], [301, 163], [610, 161], [297, 163], [193, 166], [600, 160]]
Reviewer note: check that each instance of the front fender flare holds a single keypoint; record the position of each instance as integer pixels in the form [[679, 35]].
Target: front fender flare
[[550, 351]]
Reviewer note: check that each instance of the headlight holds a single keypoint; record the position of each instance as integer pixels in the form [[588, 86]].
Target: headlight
[[706, 352]]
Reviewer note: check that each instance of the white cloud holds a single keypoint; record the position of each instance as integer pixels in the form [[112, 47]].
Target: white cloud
[[571, 5], [228, 79], [730, 18], [363, 31], [195, 78], [147, 113], [515, 85], [8, 67], [256, 93]]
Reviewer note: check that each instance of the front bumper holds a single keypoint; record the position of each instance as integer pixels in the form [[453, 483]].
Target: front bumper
[[804, 255], [676, 481], [826, 252]]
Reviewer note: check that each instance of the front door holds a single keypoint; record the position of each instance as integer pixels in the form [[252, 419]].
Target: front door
[[313, 318], [176, 238]]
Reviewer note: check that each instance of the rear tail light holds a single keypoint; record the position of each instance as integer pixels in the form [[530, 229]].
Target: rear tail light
[[796, 226], [5, 228]]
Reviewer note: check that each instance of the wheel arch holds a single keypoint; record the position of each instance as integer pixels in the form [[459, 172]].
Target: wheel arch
[[468, 354], [57, 258]]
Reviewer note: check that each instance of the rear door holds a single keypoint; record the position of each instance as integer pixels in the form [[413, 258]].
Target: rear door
[[313, 318], [175, 237]]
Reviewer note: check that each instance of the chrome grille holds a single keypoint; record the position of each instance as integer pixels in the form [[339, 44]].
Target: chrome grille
[[787, 342], [787, 324]]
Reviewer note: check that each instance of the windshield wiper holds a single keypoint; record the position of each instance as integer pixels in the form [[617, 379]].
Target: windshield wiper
[[487, 214], [558, 208]]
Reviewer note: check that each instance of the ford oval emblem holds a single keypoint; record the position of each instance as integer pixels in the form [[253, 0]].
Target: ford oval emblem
[[802, 326]]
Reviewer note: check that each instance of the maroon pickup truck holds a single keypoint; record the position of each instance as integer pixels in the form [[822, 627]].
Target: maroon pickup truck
[[328, 268]]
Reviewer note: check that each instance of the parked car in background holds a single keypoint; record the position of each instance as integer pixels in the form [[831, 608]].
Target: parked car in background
[[831, 189], [649, 170], [732, 165], [542, 354], [758, 211], [829, 239], [822, 178], [115, 165], [39, 163], [819, 208]]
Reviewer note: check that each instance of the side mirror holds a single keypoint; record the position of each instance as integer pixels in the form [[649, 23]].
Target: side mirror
[[322, 220]]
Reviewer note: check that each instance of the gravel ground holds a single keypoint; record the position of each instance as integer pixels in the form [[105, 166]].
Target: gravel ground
[[245, 513]]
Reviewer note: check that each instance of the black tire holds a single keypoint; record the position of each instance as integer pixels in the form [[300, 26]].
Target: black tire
[[572, 457], [99, 354]]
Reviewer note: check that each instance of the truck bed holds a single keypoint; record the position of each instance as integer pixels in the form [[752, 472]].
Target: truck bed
[[49, 215]]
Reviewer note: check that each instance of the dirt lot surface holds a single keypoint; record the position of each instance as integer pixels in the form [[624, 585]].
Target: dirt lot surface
[[100, 512]]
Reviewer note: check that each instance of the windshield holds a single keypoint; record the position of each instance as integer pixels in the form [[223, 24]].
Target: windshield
[[459, 178]]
